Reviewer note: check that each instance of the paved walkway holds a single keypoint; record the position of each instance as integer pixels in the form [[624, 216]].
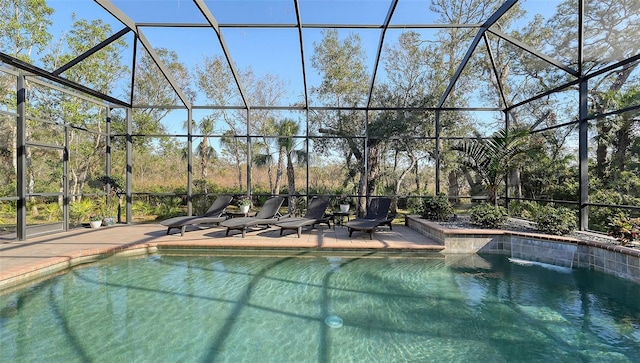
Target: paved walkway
[[23, 261]]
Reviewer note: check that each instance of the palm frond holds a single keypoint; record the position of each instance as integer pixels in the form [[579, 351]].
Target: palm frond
[[492, 158]]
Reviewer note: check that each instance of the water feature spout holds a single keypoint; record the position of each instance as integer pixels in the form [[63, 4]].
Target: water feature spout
[[543, 252]]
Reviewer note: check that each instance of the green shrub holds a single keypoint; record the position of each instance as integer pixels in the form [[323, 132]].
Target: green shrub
[[259, 200], [624, 228], [437, 208], [488, 215], [415, 205], [599, 217], [8, 189], [54, 212], [301, 206], [141, 208], [171, 207], [555, 220], [522, 209], [8, 208], [79, 210]]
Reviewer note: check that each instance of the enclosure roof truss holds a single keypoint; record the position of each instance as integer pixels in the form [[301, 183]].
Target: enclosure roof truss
[[212, 22]]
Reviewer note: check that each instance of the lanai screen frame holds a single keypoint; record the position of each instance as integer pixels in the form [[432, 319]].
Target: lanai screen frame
[[28, 70]]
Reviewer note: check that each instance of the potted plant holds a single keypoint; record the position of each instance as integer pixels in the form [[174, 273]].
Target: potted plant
[[244, 202], [95, 220], [109, 213], [344, 202]]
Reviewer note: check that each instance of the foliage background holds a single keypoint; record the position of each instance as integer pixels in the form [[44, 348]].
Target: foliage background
[[390, 150]]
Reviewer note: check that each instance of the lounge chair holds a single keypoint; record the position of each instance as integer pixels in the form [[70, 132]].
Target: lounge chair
[[267, 215], [214, 215], [377, 215], [313, 216]]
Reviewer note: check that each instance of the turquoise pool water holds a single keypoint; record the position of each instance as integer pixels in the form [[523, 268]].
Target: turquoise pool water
[[311, 308]]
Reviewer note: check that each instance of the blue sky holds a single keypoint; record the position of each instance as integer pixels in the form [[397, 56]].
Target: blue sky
[[265, 50]]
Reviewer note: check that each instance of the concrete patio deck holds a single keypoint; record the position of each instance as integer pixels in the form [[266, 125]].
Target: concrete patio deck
[[38, 257]]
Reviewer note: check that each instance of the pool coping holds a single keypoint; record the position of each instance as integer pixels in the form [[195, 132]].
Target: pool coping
[[49, 267], [613, 259]]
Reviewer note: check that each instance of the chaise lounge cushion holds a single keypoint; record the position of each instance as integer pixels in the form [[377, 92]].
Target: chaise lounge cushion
[[267, 215], [313, 216], [377, 215], [214, 215]]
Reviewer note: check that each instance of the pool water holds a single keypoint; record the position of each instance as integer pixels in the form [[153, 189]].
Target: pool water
[[310, 308]]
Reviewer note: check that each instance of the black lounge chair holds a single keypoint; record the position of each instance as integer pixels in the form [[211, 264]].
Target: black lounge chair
[[377, 215], [313, 216], [214, 215], [267, 215]]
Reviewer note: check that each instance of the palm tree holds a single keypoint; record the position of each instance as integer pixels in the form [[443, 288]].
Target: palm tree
[[495, 157], [263, 155], [287, 127], [204, 151]]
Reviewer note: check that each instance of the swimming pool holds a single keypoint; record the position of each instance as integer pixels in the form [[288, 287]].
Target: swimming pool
[[306, 307]]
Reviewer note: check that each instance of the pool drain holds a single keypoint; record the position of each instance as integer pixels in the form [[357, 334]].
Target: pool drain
[[333, 321]]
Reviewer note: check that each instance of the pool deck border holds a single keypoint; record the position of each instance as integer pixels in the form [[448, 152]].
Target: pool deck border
[[23, 262]]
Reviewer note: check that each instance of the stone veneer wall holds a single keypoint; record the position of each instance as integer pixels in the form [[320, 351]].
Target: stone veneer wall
[[556, 250]]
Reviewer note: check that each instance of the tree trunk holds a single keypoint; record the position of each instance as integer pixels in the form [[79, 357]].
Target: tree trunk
[[291, 183], [14, 150], [374, 168], [203, 161], [515, 185], [623, 137], [416, 174], [239, 169], [404, 173], [73, 182], [281, 157], [603, 128], [31, 178], [475, 185], [270, 177], [362, 185], [454, 187], [492, 191], [368, 181], [602, 125]]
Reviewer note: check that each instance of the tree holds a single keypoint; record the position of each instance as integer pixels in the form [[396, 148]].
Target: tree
[[152, 89], [215, 79], [204, 150], [610, 31], [288, 127], [101, 72], [341, 64], [615, 134], [24, 27], [411, 81], [264, 157], [493, 158], [23, 30], [235, 150]]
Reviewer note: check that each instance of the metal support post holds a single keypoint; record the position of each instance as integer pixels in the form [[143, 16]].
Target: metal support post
[[21, 162], [129, 172], [437, 152], [583, 154], [190, 162]]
